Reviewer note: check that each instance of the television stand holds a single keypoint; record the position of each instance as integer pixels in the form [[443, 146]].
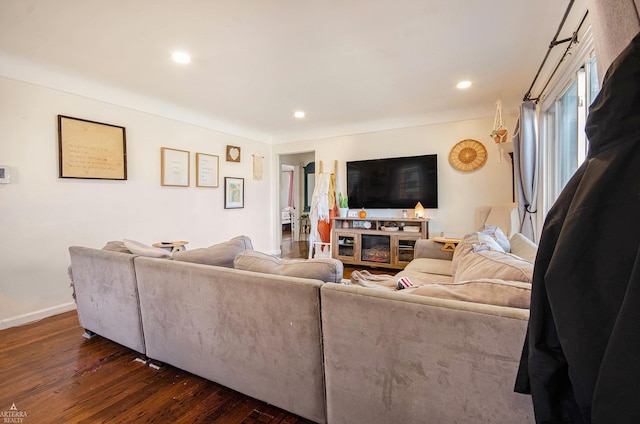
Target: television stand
[[377, 242]]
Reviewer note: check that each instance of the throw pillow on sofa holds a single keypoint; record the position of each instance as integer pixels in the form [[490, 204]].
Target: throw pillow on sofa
[[116, 246], [142, 249], [323, 269], [523, 247], [221, 254]]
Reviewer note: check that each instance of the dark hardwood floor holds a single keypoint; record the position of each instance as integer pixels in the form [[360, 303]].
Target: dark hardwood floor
[[293, 249], [51, 373], [54, 375]]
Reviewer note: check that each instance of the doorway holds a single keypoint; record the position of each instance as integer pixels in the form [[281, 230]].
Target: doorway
[[287, 201], [296, 184]]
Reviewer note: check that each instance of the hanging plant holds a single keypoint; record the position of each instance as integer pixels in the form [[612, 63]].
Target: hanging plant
[[499, 133]]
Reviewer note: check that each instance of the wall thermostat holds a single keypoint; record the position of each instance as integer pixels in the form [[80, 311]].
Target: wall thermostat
[[5, 174]]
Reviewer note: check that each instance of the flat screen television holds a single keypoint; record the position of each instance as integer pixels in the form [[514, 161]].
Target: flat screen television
[[393, 183]]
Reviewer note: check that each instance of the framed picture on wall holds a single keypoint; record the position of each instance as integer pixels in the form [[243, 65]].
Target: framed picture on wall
[[89, 149], [207, 167], [174, 167], [233, 193], [233, 154]]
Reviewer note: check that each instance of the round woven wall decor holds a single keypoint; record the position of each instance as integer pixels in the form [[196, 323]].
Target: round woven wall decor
[[468, 155]]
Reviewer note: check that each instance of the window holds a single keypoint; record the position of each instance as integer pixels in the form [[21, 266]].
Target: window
[[565, 144]]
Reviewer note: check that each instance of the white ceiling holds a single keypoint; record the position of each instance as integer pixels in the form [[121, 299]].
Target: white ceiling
[[352, 65]]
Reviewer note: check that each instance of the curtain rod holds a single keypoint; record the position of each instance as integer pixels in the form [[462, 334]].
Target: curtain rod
[[555, 42]]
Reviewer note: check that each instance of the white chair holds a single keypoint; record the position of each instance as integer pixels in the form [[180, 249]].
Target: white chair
[[321, 250]]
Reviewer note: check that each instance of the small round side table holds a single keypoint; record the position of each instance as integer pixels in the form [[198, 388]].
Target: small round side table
[[449, 243], [174, 246]]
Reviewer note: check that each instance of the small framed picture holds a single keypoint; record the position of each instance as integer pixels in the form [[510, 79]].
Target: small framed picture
[[174, 167], [233, 154], [207, 170], [233, 193]]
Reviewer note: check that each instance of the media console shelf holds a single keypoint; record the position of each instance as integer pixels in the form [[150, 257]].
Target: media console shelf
[[379, 242]]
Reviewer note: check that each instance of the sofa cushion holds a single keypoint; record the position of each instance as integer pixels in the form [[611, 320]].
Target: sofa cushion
[[514, 294], [430, 266], [244, 240], [523, 247], [494, 265], [142, 249], [323, 269], [496, 234], [221, 254]]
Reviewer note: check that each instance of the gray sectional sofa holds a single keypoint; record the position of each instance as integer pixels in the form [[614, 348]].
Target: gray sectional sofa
[[337, 353], [442, 351], [256, 333]]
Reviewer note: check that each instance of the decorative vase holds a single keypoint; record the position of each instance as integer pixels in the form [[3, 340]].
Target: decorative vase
[[344, 212]]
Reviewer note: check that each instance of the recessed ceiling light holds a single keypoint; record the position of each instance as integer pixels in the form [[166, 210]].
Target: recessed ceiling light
[[181, 57], [464, 84], [299, 114]]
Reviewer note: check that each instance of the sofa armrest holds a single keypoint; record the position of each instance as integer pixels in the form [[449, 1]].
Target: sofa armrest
[[430, 249]]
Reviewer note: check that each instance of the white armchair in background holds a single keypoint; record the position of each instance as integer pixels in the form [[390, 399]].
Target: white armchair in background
[[506, 217]]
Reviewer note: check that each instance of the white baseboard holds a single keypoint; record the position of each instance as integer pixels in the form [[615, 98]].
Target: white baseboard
[[36, 315]]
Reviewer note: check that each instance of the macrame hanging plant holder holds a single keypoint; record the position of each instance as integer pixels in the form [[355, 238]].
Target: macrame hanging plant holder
[[499, 132]]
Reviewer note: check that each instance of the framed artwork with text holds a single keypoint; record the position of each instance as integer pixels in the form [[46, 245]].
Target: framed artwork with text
[[92, 150]]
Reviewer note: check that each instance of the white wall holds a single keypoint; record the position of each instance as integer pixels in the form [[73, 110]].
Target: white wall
[[460, 194], [41, 215]]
